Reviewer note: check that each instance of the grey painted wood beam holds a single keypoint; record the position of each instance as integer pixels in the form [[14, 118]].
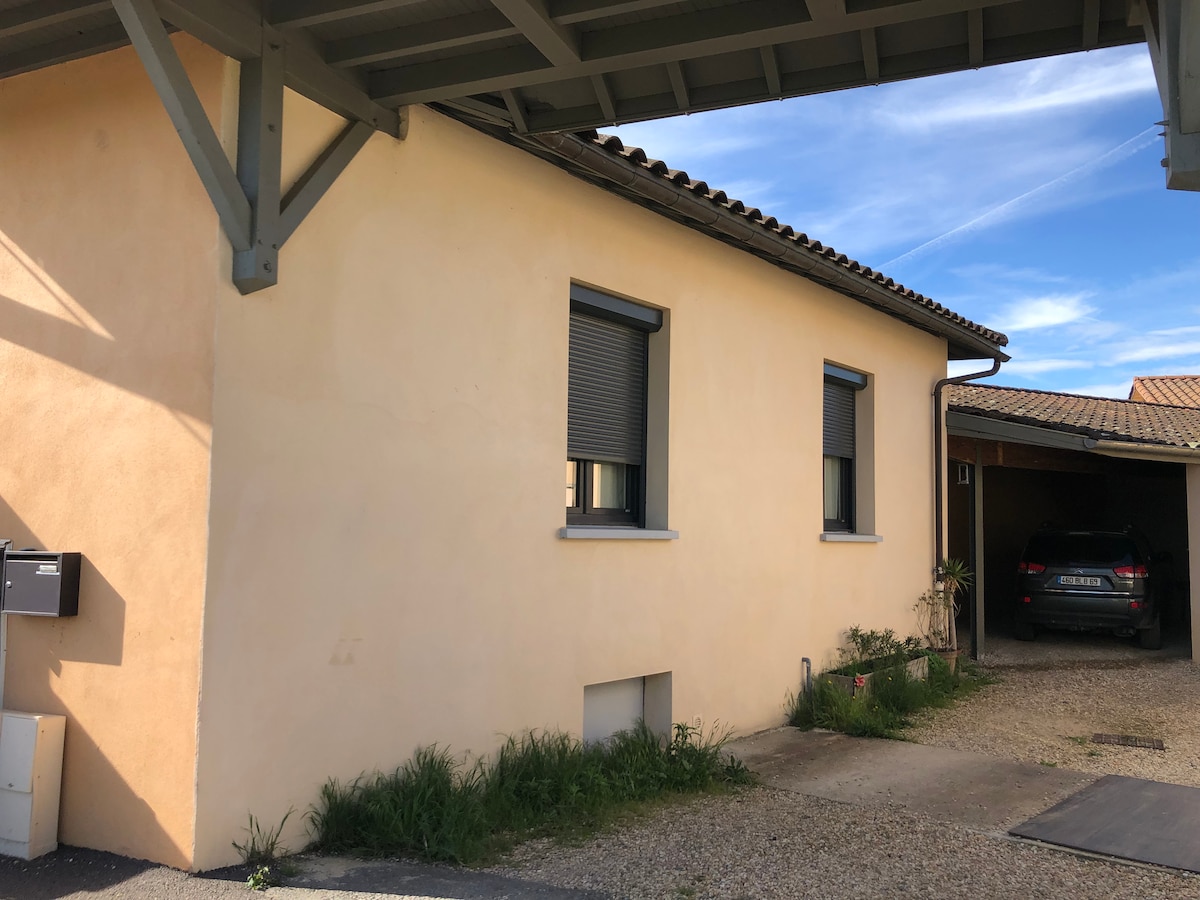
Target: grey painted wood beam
[[570, 12], [747, 25], [260, 151], [420, 37], [170, 80], [1091, 24], [516, 109], [824, 10], [481, 108], [1189, 68], [77, 46], [975, 37], [770, 64], [320, 176], [236, 30], [604, 97], [870, 51], [32, 16], [558, 43], [679, 85], [300, 13]]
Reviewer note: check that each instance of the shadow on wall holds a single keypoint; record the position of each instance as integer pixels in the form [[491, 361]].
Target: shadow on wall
[[95, 636]]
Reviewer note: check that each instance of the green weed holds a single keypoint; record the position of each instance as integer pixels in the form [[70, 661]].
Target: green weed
[[261, 879], [887, 708], [262, 844], [541, 783]]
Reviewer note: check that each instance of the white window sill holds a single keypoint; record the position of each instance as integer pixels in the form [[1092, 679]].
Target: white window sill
[[615, 533], [843, 537]]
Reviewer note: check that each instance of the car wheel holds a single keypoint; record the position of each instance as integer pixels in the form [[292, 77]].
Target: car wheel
[[1025, 631], [1151, 638]]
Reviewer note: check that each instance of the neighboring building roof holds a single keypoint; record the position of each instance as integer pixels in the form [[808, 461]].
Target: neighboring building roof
[[1094, 417], [628, 172], [1175, 390]]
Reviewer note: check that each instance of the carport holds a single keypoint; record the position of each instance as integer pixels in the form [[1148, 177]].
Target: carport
[[1018, 459]]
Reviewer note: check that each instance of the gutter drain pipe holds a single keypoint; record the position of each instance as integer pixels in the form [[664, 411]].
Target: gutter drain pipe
[[939, 462]]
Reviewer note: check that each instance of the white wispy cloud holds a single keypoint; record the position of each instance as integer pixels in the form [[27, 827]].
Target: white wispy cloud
[[1048, 85], [1044, 312], [1156, 350], [1010, 208], [1033, 367], [1173, 332], [1001, 272]]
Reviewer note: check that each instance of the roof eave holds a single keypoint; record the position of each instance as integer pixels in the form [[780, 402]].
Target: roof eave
[[676, 202]]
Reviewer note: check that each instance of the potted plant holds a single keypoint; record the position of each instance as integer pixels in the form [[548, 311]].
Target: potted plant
[[937, 609], [872, 653]]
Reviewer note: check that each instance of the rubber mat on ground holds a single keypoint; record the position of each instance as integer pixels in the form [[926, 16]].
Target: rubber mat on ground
[[1130, 818]]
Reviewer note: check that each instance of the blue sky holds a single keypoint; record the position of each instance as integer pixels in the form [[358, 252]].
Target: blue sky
[[1028, 197]]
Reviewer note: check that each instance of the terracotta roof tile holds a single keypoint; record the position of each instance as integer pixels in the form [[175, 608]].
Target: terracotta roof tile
[[1175, 390], [635, 155], [1094, 417]]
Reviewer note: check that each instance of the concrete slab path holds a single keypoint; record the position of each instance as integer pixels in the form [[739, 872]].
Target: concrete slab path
[[946, 785]]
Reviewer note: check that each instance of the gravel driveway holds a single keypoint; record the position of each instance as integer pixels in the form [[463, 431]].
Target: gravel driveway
[[1053, 695], [1050, 698]]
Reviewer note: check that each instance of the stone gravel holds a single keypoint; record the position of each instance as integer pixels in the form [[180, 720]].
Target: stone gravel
[[1051, 697], [768, 843], [1048, 701]]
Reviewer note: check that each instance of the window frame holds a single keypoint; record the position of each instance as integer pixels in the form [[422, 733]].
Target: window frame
[[847, 469], [646, 320]]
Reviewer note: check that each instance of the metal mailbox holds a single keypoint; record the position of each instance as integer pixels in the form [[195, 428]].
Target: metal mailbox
[[41, 583]]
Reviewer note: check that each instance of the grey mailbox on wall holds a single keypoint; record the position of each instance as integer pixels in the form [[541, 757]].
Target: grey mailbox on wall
[[41, 583]]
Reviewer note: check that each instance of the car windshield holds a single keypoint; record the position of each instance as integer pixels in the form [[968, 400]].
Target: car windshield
[[1081, 549]]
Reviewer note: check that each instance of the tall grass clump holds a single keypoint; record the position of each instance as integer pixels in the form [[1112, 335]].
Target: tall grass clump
[[540, 783], [887, 708]]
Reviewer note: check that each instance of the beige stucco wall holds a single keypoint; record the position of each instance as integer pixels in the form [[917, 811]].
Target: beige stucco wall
[[390, 431], [387, 431], [109, 260]]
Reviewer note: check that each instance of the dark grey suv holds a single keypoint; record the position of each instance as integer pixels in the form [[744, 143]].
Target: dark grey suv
[[1088, 580]]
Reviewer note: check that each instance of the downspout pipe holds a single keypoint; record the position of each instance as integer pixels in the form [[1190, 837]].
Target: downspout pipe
[[939, 427]]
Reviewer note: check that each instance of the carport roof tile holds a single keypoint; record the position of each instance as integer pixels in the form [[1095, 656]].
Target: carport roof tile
[[1175, 390], [1095, 417]]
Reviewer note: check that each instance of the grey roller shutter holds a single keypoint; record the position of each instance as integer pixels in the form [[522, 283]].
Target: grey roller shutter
[[839, 420], [606, 398]]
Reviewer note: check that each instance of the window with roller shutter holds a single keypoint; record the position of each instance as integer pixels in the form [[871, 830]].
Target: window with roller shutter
[[841, 394], [606, 408]]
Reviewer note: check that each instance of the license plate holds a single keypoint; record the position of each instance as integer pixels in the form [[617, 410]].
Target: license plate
[[1079, 580]]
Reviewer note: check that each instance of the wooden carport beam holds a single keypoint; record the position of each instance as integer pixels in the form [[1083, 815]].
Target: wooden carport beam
[[170, 80], [1173, 38], [247, 201], [558, 43], [259, 164], [299, 13], [47, 12]]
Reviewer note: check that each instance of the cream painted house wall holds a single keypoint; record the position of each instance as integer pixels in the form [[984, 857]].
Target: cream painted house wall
[[385, 569], [109, 266], [388, 431]]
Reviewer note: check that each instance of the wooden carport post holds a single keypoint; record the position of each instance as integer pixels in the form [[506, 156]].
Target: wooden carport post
[[1193, 526]]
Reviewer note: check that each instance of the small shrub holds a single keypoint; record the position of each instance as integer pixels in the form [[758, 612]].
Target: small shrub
[[870, 651]]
